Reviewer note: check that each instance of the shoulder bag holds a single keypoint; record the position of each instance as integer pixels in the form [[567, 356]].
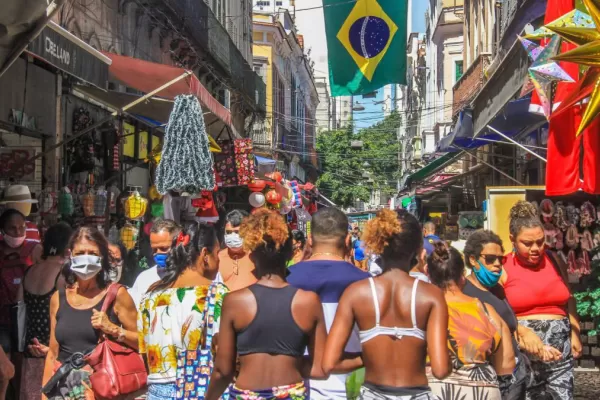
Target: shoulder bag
[[118, 370]]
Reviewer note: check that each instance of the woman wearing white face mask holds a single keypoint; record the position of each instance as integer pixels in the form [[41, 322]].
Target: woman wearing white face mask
[[76, 320], [236, 268], [17, 254]]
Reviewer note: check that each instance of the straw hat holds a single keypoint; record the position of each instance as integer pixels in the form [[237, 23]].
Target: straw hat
[[17, 194]]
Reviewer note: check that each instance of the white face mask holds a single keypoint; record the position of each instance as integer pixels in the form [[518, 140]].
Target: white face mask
[[86, 266], [233, 241], [14, 242]]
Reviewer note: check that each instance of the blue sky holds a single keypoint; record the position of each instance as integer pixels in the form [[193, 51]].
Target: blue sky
[[418, 15]]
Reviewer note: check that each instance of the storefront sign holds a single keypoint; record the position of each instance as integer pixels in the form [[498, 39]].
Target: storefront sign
[[66, 52]]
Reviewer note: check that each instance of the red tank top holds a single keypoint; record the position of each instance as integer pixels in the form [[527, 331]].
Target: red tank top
[[13, 263], [539, 290]]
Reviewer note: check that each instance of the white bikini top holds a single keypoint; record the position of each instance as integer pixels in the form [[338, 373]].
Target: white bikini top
[[378, 330]]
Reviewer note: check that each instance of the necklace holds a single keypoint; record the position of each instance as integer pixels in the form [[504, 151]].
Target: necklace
[[327, 255]]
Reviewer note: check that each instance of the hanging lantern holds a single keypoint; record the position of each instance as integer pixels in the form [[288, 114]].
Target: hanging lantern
[[128, 236], [100, 203], [87, 202], [257, 199], [157, 209], [65, 202], [135, 206], [273, 197], [257, 186], [113, 234]]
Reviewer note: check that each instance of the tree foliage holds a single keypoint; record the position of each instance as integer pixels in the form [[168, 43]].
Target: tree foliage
[[350, 173]]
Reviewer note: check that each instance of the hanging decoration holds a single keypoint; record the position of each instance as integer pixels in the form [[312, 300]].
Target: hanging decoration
[[225, 163], [587, 54], [87, 202], [257, 186], [257, 199], [575, 18], [65, 203], [135, 206], [129, 235], [100, 201], [186, 163], [273, 197], [296, 194], [244, 161], [543, 72], [48, 203]]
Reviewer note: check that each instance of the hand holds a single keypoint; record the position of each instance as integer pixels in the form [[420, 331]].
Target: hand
[[37, 349], [551, 354], [576, 348], [7, 369], [530, 342], [101, 322]]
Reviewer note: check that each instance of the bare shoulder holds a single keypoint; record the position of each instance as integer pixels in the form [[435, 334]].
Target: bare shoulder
[[238, 298], [307, 298], [428, 293]]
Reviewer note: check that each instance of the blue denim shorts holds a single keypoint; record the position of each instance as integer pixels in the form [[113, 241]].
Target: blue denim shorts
[[161, 391]]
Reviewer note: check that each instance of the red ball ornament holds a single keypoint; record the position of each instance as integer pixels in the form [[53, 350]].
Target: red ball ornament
[[273, 197], [257, 186]]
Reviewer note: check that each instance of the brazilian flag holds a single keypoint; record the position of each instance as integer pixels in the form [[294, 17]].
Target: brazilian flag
[[366, 44]]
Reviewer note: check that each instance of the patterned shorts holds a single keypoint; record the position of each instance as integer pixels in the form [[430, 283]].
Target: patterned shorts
[[290, 392]]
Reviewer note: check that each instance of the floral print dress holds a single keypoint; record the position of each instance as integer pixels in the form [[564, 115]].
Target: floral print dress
[[472, 339], [171, 321]]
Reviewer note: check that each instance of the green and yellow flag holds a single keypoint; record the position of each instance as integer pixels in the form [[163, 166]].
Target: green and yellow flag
[[366, 44]]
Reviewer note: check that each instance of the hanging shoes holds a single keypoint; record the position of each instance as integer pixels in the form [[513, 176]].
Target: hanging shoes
[[560, 216]]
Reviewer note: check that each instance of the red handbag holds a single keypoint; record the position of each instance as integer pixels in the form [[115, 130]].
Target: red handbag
[[118, 370]]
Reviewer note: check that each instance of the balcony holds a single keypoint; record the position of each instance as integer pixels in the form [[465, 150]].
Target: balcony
[[261, 136], [470, 84], [196, 21]]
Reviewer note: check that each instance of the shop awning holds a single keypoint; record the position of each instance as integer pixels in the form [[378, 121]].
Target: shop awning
[[146, 76], [514, 117], [430, 168], [21, 21], [67, 52], [264, 161]]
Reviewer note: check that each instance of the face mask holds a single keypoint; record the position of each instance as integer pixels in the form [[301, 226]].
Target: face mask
[[161, 260], [86, 266], [486, 277], [233, 241], [14, 242]]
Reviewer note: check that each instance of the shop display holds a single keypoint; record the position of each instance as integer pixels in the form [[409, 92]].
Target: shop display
[[244, 161], [469, 222], [65, 203], [135, 206], [186, 163]]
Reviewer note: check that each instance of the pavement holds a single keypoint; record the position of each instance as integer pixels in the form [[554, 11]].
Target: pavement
[[587, 385]]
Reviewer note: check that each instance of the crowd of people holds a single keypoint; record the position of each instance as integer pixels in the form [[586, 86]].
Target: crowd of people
[[260, 311]]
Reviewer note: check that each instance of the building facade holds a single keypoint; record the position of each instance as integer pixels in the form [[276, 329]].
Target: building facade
[[288, 133]]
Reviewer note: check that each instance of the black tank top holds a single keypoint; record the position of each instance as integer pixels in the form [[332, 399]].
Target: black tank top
[[74, 332], [273, 329]]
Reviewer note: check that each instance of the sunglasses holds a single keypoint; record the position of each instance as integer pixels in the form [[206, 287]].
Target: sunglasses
[[491, 259]]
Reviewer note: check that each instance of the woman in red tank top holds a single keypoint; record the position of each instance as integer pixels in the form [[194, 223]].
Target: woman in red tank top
[[536, 287]]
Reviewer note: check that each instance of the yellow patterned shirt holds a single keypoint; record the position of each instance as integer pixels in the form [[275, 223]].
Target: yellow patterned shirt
[[172, 320]]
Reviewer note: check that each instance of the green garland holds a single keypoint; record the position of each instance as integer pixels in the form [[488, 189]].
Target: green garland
[[186, 163]]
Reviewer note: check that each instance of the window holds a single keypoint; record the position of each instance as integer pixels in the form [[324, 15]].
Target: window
[[458, 69], [279, 3], [263, 3]]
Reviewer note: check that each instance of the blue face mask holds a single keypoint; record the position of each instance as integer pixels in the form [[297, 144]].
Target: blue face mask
[[161, 260], [486, 277]]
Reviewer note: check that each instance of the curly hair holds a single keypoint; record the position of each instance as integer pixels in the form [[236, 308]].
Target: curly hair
[[445, 266], [523, 215], [476, 242], [395, 236], [268, 237]]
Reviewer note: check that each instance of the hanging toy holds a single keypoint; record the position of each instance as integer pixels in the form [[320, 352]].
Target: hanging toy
[[87, 202], [48, 203], [135, 206], [296, 194], [65, 202], [129, 235], [113, 234], [153, 193], [100, 201], [257, 186], [186, 164], [157, 209]]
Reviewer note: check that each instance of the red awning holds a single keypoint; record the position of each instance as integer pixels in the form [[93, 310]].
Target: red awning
[[147, 76]]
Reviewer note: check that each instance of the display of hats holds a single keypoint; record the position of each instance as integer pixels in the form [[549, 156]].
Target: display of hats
[[100, 202], [65, 202], [128, 235], [135, 206]]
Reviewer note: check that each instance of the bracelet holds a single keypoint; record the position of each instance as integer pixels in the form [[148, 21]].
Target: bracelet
[[121, 337]]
